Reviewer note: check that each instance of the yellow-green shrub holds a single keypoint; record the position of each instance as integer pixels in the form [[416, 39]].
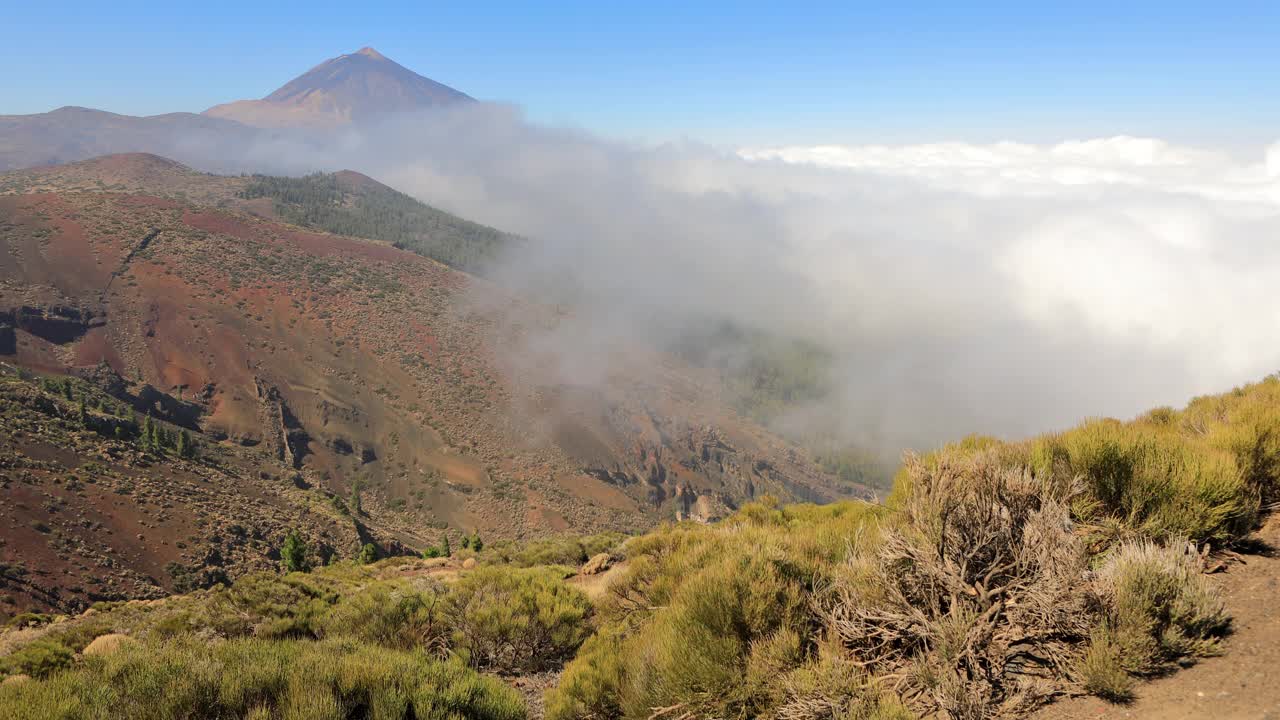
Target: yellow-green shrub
[[392, 614], [1158, 606], [40, 658], [511, 620], [713, 617], [328, 680]]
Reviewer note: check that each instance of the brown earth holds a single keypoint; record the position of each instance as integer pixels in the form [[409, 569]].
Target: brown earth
[[1241, 683], [86, 517]]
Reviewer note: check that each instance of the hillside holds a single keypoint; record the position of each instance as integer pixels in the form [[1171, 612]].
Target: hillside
[[343, 203], [366, 369], [999, 577], [348, 203], [91, 512]]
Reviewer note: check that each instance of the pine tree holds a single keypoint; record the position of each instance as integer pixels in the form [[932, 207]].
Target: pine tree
[[66, 389], [83, 412], [444, 546], [356, 486], [368, 554], [148, 432], [476, 543], [294, 552], [184, 444], [466, 542]]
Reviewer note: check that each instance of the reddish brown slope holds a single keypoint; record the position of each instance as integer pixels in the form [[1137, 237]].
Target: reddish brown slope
[[356, 362]]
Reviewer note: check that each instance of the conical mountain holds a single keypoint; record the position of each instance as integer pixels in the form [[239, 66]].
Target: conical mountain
[[342, 90]]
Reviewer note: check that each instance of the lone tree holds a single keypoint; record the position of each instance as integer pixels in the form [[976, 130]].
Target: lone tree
[[356, 486], [444, 546], [294, 552], [368, 554], [157, 437], [148, 432]]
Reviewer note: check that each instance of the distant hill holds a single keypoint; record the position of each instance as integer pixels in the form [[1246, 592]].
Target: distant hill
[[343, 203], [348, 203], [76, 133], [342, 90]]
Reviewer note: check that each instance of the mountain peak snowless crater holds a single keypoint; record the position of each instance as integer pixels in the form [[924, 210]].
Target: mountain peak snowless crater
[[343, 90]]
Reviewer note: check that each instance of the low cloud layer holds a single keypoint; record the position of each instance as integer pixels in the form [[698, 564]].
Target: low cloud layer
[[1002, 288]]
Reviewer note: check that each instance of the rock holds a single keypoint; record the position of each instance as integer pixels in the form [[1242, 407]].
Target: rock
[[468, 563], [597, 564], [106, 644]]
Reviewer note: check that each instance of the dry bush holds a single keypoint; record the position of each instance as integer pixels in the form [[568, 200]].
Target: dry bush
[[973, 604]]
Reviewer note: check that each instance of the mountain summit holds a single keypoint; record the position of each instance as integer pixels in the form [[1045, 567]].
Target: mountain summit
[[342, 90]]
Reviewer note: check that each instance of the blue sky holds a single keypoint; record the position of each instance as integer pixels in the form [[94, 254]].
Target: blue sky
[[733, 73]]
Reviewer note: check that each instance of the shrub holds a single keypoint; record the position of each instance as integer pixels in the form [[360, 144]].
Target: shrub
[[700, 609], [699, 647], [262, 605], [39, 658], [1154, 481], [391, 615], [833, 687], [1159, 607], [1102, 670], [256, 678], [982, 560], [591, 686], [29, 619], [516, 620], [568, 550]]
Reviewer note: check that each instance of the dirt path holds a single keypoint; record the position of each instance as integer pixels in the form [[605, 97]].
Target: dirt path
[[1243, 683]]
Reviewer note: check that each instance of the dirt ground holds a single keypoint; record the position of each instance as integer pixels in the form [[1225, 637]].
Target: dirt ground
[[1243, 683]]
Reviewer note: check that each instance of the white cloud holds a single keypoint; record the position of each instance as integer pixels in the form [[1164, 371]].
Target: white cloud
[[1004, 288]]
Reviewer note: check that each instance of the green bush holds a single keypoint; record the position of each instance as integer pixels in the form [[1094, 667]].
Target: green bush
[[1160, 608], [261, 605], [511, 620], [591, 686], [1102, 671], [712, 618], [269, 679], [567, 550], [39, 659], [392, 615], [1152, 480]]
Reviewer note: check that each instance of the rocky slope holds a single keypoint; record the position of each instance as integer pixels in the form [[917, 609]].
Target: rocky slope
[[364, 369], [88, 513]]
